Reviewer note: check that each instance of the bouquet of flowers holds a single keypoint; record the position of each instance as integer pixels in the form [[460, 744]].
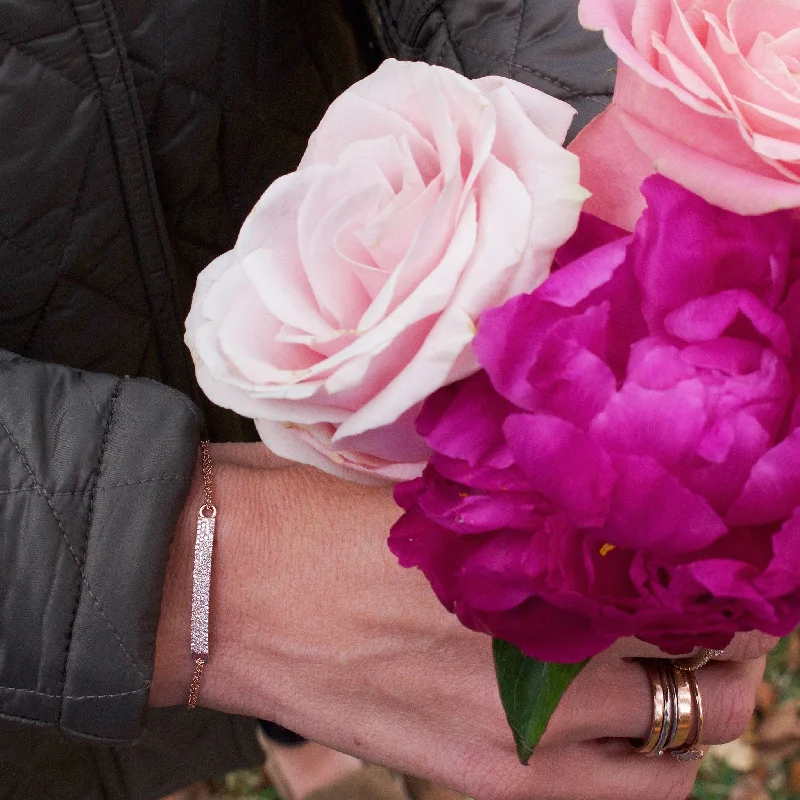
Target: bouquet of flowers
[[589, 405]]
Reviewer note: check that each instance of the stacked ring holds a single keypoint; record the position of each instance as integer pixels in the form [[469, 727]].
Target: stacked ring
[[677, 722]]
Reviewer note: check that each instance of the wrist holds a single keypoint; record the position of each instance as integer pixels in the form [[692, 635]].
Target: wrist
[[253, 499], [301, 582]]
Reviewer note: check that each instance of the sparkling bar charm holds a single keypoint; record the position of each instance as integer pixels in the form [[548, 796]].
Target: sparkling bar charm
[[201, 579]]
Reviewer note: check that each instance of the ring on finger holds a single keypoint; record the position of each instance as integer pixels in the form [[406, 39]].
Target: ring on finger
[[677, 717]]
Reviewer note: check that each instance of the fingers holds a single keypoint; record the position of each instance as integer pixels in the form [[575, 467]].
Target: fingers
[[744, 647], [614, 700], [748, 647], [583, 771], [606, 700], [728, 692]]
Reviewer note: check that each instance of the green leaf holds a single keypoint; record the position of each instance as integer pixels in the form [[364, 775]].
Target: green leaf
[[530, 691]]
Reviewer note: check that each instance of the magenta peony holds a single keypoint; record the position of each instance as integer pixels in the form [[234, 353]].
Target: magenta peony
[[628, 461]]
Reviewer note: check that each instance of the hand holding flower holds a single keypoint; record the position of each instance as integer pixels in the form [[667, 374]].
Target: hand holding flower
[[316, 627]]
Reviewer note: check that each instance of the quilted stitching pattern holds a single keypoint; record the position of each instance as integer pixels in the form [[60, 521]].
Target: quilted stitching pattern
[[130, 135], [68, 205], [230, 92], [76, 488], [541, 44]]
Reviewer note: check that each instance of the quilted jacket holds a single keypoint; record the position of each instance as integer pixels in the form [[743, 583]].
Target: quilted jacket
[[134, 137]]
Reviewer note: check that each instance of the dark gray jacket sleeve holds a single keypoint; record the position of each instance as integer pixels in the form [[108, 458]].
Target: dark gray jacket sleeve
[[95, 470], [541, 44]]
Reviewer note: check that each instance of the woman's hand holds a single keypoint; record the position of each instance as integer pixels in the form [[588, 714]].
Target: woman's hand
[[315, 626]]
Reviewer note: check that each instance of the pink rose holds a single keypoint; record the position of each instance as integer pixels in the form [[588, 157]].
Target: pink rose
[[708, 94], [356, 282]]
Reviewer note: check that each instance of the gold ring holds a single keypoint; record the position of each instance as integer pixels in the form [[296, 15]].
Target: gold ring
[[677, 719], [662, 710], [685, 717], [692, 747]]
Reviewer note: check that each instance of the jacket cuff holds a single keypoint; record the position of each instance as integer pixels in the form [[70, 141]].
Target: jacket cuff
[[98, 469]]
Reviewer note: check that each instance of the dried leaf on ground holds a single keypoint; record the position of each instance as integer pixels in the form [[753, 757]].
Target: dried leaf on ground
[[782, 726]]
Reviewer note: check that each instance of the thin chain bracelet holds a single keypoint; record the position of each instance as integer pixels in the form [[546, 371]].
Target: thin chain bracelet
[[201, 576]]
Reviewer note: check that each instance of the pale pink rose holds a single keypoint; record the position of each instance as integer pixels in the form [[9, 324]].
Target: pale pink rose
[[356, 283], [708, 94]]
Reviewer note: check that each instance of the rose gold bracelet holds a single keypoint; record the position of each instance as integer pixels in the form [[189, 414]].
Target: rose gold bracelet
[[201, 577]]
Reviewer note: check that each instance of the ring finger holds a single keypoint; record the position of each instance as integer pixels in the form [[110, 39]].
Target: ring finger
[[613, 699]]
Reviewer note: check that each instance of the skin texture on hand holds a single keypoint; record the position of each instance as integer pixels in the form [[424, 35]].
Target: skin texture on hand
[[315, 626]]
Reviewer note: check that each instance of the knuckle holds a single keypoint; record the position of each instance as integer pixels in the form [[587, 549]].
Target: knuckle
[[733, 716]]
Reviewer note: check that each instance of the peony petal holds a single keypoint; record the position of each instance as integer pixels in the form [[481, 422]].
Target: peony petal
[[545, 632], [473, 512], [664, 425], [591, 233], [737, 252], [705, 319], [417, 543], [782, 576], [772, 493], [652, 513], [464, 420], [562, 356], [563, 464]]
